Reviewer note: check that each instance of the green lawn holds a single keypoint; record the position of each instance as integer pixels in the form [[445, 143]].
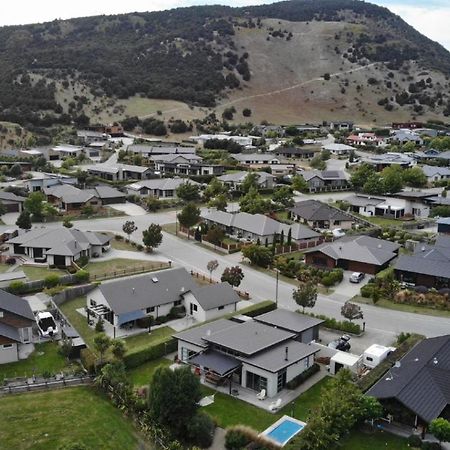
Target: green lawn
[[45, 358], [39, 273], [4, 267], [143, 340], [376, 440], [227, 410], [45, 420], [122, 266], [121, 244], [142, 375]]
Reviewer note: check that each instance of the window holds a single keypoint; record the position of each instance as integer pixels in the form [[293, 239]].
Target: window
[[256, 382], [177, 303], [221, 307], [150, 310], [306, 363], [1, 314], [281, 382], [369, 358], [193, 307], [93, 302], [7, 345]]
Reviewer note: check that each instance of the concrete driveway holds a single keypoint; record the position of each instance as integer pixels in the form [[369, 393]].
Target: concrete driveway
[[10, 218], [347, 290], [130, 209]]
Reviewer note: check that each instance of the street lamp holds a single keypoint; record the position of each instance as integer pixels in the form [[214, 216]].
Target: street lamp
[[276, 286]]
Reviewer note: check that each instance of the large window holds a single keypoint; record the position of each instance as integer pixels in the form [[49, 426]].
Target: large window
[[256, 382], [281, 380]]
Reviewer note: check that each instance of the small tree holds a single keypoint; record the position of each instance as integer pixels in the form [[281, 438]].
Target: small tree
[[215, 235], [440, 429], [352, 311], [87, 210], [129, 227], [300, 184], [34, 204], [189, 216], [188, 192], [258, 255], [220, 202], [101, 345], [152, 236], [305, 295], [212, 266], [289, 237], [232, 275], [118, 348], [24, 220], [67, 223], [153, 203]]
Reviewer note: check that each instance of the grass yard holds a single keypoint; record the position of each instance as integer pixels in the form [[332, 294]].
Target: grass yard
[[46, 420], [45, 358], [385, 303], [142, 375], [121, 244], [228, 410], [139, 341], [39, 273], [121, 266], [359, 440], [4, 267]]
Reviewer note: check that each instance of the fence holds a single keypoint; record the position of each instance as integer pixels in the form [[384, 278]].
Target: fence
[[73, 292], [124, 272], [207, 279]]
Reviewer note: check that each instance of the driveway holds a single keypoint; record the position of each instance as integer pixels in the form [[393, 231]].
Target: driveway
[[130, 209], [347, 290], [10, 218]]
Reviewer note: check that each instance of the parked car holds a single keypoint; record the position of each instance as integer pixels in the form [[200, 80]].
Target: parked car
[[46, 324], [357, 277], [338, 232], [341, 344]]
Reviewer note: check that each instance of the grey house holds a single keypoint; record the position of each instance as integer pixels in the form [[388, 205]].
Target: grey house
[[234, 180], [325, 180]]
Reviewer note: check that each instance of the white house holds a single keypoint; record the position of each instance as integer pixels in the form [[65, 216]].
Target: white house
[[159, 188]]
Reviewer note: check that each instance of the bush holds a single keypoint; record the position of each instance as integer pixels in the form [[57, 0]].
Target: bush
[[145, 322], [100, 326], [299, 379], [235, 439], [327, 280], [10, 261], [118, 237], [17, 287], [341, 325], [200, 430], [140, 247], [261, 310], [177, 311], [414, 441], [431, 446], [368, 290], [239, 433], [88, 360], [54, 290], [150, 353], [82, 276], [51, 281], [83, 261], [161, 319]]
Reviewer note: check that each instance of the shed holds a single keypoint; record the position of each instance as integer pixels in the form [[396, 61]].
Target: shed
[[343, 360]]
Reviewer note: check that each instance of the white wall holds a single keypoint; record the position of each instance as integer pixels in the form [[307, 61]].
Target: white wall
[[216, 312], [9, 354], [200, 314], [272, 378], [189, 346], [299, 367]]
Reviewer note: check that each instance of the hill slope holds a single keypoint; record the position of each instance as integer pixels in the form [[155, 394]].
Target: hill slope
[[290, 61]]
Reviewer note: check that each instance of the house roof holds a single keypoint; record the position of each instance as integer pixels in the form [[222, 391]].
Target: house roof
[[71, 194], [363, 249], [144, 291], [15, 305], [421, 380], [215, 295], [312, 210], [184, 158], [324, 175], [288, 320], [249, 338], [159, 150], [274, 358], [10, 196], [338, 147], [389, 158], [218, 362], [248, 157], [363, 200], [239, 177], [108, 192], [431, 171], [9, 332], [105, 168], [162, 184], [293, 151]]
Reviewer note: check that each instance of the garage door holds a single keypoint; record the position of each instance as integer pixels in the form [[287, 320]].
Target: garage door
[[11, 207], [59, 261]]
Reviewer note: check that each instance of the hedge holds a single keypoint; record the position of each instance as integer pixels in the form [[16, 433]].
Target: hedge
[[340, 325], [300, 379], [150, 353], [258, 310], [375, 374]]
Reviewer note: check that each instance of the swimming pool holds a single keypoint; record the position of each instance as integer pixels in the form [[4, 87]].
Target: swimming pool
[[283, 430]]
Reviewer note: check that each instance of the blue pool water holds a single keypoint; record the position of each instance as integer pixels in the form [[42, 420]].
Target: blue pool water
[[285, 431]]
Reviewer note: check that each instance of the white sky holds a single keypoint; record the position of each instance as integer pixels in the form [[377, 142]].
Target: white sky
[[430, 17]]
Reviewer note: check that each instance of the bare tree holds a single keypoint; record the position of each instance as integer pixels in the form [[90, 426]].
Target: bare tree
[[212, 266]]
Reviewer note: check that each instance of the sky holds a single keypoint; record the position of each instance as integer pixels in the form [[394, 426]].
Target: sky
[[430, 17]]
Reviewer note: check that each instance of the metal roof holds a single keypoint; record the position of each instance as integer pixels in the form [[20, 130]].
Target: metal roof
[[314, 210], [215, 295], [195, 335], [288, 320], [15, 305], [215, 361]]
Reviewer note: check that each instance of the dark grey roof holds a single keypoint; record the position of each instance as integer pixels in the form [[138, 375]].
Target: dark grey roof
[[145, 291], [274, 359], [288, 320], [293, 151], [159, 150], [422, 380], [10, 196], [215, 295], [195, 335], [315, 210], [249, 338], [363, 200], [108, 192], [15, 305], [215, 361], [324, 174], [9, 332]]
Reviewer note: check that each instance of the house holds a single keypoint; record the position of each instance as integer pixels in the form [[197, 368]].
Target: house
[[341, 126], [280, 170], [254, 227], [48, 180], [159, 188], [390, 159], [65, 151], [403, 137], [126, 301], [443, 224], [241, 140], [366, 139], [416, 390], [11, 201], [114, 130], [252, 355], [325, 180], [428, 266], [119, 172], [234, 180], [338, 149], [316, 214], [295, 152], [88, 136], [257, 159], [406, 125], [16, 321], [59, 247], [149, 150], [355, 253], [186, 164], [436, 173]]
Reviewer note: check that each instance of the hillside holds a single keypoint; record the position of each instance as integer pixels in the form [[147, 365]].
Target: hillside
[[288, 62]]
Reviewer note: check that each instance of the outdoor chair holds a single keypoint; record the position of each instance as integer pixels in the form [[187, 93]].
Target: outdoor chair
[[275, 405], [261, 395]]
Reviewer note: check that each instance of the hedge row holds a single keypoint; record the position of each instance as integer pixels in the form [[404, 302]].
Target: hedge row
[[150, 353], [300, 379], [340, 325], [257, 311]]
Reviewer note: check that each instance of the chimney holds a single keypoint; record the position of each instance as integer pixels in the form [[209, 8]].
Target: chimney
[[286, 356]]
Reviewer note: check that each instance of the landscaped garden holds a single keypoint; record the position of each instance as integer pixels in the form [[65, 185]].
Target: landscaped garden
[[47, 420], [40, 273]]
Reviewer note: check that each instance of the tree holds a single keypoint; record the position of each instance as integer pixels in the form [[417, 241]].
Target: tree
[[250, 181], [215, 235], [254, 203], [214, 188], [392, 179], [258, 255], [289, 237], [212, 266], [284, 196], [305, 295], [34, 204], [440, 429], [129, 227], [220, 202], [299, 184], [118, 348], [188, 192], [24, 220], [246, 112], [352, 311], [360, 176], [15, 171], [232, 275], [189, 216], [49, 210], [152, 236], [67, 223], [153, 203], [101, 344], [318, 163], [173, 398], [374, 185], [414, 177]]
